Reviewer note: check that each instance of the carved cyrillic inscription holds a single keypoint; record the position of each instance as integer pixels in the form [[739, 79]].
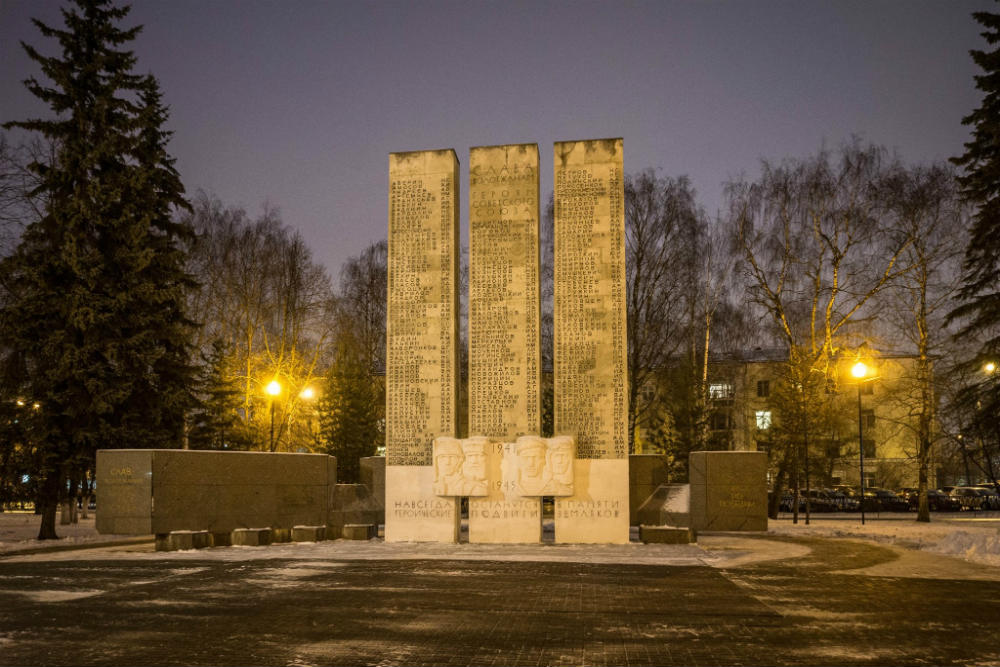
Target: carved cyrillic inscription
[[422, 331], [504, 361], [591, 400]]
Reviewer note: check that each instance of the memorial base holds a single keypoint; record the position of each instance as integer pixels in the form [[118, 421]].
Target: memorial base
[[413, 513], [597, 512]]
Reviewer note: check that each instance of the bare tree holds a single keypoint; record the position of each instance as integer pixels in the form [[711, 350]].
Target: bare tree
[[925, 214], [266, 299], [812, 240], [665, 234]]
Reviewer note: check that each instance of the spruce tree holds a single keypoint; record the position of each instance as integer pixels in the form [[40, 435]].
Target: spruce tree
[[980, 181], [97, 284], [349, 413], [216, 425]]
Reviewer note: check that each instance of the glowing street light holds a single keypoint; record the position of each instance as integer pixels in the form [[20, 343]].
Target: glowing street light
[[308, 394], [989, 367], [273, 388]]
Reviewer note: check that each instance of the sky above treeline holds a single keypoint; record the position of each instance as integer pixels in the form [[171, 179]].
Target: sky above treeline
[[298, 104]]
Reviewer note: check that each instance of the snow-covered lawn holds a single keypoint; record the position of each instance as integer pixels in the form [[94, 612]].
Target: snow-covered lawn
[[18, 531], [973, 536]]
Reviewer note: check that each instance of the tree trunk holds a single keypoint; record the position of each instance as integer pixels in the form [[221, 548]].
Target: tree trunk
[[48, 501]]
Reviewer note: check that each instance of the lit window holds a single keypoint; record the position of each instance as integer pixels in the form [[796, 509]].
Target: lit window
[[763, 419], [720, 390]]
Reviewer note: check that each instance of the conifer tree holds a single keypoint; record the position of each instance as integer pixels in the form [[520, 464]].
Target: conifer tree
[[349, 413], [216, 425], [95, 303], [980, 292]]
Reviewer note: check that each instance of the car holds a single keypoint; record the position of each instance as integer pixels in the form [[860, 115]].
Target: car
[[991, 499], [845, 503], [820, 501], [885, 500], [968, 496], [937, 501]]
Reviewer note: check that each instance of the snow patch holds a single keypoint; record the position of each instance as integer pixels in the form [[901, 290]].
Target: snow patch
[[57, 596]]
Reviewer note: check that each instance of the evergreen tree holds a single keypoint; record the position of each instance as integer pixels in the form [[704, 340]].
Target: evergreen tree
[[216, 425], [349, 413], [96, 286], [980, 309]]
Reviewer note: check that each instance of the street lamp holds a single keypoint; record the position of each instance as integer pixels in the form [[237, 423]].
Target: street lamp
[[989, 367], [273, 390], [309, 395], [860, 370]]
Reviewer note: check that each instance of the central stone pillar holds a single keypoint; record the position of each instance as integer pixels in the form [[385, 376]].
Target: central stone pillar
[[504, 344], [590, 380], [421, 342]]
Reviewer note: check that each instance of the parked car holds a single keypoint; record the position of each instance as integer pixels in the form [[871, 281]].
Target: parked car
[[968, 497], [937, 501], [820, 501], [788, 502], [845, 503], [885, 500], [991, 499]]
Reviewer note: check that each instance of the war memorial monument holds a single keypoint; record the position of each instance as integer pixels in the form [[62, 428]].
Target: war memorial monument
[[505, 467]]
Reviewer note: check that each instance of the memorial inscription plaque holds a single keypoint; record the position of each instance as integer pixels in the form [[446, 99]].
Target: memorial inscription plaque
[[421, 340], [589, 348], [504, 343]]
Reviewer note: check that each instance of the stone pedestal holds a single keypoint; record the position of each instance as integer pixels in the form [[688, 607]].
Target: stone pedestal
[[665, 535], [728, 490], [413, 512], [597, 513], [504, 515]]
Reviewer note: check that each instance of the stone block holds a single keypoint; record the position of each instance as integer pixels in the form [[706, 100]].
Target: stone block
[[646, 472], [359, 531], [597, 512], [413, 513], [308, 533], [251, 537], [373, 476], [183, 540], [668, 505], [504, 516], [125, 480], [666, 535], [281, 535], [353, 503], [728, 491]]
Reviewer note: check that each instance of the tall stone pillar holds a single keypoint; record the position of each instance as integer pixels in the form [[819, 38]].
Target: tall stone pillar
[[504, 344], [591, 398], [421, 341]]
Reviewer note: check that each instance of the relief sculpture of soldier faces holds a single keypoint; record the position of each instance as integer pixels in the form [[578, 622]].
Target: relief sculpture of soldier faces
[[539, 466], [545, 465]]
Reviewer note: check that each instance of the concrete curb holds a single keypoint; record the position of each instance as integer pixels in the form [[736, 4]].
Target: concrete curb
[[76, 546]]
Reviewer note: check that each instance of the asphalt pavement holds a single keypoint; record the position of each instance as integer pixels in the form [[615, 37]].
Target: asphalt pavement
[[830, 602]]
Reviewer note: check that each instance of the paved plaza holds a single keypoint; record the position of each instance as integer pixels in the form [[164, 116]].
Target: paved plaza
[[733, 600]]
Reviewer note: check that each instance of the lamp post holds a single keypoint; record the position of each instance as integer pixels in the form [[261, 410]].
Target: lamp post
[[273, 390], [309, 395], [860, 370]]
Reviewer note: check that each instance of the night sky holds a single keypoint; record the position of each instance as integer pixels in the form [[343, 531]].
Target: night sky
[[299, 103]]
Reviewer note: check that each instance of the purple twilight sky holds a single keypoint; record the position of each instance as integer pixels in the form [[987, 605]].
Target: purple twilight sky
[[299, 103]]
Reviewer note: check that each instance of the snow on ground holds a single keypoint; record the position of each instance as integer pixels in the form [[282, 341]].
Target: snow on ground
[[973, 536], [19, 530]]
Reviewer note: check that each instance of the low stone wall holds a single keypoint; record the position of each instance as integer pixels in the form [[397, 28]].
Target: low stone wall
[[646, 472], [160, 491]]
